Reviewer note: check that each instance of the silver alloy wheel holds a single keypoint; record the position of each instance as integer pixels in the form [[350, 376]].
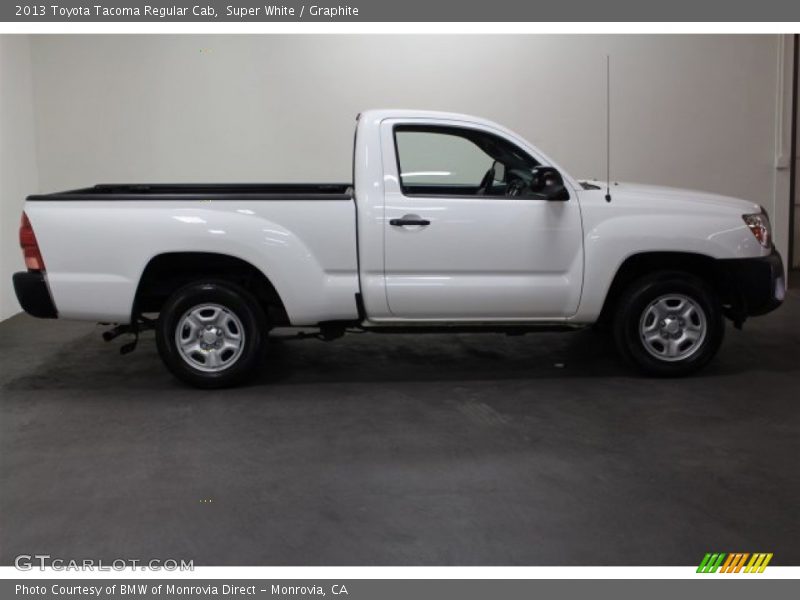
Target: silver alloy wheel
[[209, 337], [673, 327]]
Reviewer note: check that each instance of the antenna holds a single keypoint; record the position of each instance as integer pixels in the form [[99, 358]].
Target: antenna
[[608, 128]]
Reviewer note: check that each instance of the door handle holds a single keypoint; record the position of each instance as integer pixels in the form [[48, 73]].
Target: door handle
[[408, 220]]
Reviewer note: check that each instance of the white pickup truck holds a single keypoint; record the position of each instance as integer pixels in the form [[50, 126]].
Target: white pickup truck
[[452, 224]]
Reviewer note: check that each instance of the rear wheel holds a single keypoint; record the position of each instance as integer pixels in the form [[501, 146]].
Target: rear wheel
[[210, 334], [669, 324]]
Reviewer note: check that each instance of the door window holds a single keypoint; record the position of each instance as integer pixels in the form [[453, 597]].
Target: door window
[[457, 161]]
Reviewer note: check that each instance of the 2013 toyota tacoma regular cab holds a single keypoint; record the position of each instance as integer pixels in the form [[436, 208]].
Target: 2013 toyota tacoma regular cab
[[452, 223]]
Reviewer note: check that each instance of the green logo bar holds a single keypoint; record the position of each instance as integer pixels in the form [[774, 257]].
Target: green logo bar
[[711, 562]]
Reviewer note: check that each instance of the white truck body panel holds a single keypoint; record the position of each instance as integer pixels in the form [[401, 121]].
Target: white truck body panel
[[481, 258], [96, 251]]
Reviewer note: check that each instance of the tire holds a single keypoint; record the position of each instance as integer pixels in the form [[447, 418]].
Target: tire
[[669, 324], [211, 334]]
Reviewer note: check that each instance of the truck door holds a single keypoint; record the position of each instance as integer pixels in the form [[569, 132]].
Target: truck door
[[469, 231]]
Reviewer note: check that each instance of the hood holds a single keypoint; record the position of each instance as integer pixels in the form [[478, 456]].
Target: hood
[[660, 195]]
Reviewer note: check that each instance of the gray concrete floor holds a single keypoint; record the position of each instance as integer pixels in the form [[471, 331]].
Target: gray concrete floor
[[401, 450]]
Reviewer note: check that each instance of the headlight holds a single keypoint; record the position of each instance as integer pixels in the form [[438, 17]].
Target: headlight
[[759, 225]]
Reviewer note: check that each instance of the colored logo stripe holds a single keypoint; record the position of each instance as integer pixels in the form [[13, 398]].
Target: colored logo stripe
[[758, 563], [711, 562], [734, 562]]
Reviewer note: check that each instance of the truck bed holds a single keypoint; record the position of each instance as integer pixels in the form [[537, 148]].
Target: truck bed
[[97, 242], [204, 191]]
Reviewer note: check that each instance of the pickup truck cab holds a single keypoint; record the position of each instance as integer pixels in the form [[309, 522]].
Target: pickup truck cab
[[451, 223]]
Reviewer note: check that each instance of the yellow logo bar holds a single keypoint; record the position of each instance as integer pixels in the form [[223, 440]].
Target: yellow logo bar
[[758, 563]]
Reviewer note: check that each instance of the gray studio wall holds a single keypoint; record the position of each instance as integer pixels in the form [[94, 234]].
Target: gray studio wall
[[18, 174], [691, 111]]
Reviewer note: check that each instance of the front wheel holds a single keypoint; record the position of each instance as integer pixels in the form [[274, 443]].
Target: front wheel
[[669, 324], [210, 334]]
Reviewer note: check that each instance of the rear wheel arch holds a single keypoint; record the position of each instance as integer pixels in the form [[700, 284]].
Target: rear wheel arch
[[166, 273], [210, 334]]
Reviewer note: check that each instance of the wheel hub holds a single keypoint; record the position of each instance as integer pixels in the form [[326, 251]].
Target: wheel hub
[[210, 337], [673, 327]]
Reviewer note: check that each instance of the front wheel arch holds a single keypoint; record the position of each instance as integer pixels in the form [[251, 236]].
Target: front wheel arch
[[632, 309], [643, 264]]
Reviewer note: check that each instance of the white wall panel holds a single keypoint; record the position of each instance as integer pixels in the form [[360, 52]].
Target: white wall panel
[[689, 111], [17, 158]]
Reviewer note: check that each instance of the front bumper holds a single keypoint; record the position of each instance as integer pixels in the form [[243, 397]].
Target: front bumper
[[34, 295], [758, 284]]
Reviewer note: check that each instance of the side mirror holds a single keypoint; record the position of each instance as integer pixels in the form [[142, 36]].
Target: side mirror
[[548, 182]]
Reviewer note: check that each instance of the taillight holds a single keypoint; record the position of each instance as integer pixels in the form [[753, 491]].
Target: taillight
[[30, 247]]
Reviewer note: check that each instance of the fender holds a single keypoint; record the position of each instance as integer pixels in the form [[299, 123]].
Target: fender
[[628, 227]]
